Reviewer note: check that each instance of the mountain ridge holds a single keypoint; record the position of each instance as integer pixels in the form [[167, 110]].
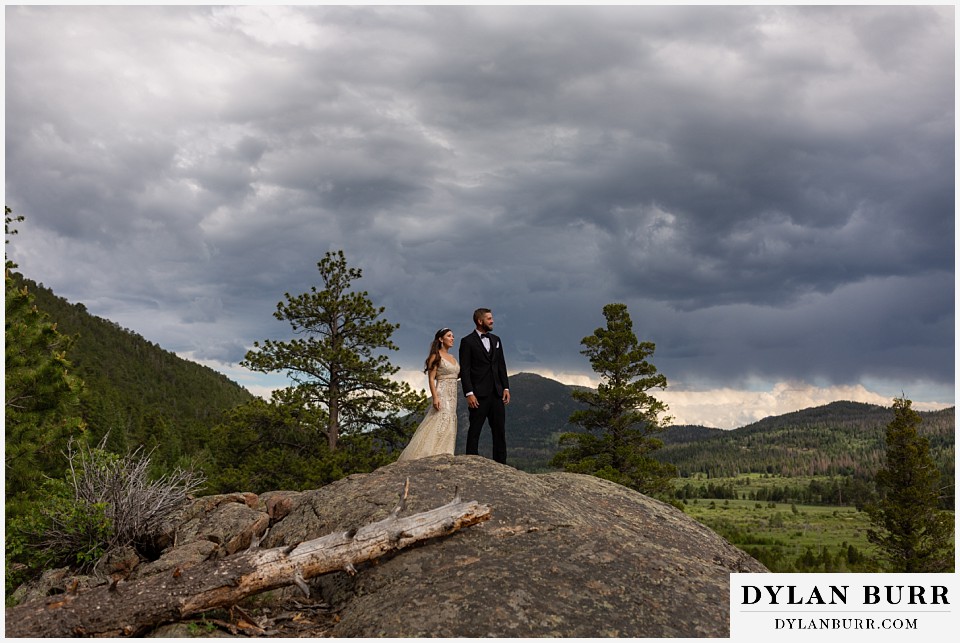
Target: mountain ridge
[[159, 399], [837, 438]]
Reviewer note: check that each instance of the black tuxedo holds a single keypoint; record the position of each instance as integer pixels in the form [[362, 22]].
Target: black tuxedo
[[485, 375]]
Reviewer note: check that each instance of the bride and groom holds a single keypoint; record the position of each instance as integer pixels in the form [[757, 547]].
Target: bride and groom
[[482, 371]]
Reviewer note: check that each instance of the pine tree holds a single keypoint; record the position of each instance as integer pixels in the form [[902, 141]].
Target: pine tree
[[41, 396], [911, 532], [340, 381], [621, 416]]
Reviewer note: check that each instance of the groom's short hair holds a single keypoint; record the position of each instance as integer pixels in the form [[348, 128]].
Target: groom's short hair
[[478, 315]]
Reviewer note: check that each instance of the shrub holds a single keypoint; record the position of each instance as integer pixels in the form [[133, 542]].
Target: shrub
[[106, 501]]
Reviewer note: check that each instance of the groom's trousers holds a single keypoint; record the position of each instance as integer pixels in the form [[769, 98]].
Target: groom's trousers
[[491, 408]]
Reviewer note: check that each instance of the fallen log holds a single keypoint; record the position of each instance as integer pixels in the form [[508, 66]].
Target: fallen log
[[131, 609]]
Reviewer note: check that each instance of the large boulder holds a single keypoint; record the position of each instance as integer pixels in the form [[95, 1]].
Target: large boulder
[[562, 555]]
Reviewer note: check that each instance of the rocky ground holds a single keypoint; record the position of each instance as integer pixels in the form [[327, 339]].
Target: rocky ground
[[562, 555], [287, 618]]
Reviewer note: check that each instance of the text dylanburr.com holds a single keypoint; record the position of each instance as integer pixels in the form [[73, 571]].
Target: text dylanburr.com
[[847, 607]]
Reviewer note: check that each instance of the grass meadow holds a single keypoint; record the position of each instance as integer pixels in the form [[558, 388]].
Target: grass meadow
[[786, 537]]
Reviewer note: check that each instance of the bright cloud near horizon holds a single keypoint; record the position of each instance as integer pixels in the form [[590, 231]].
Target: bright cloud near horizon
[[770, 189]]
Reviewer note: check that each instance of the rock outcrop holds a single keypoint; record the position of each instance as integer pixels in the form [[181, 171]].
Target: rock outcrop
[[562, 555]]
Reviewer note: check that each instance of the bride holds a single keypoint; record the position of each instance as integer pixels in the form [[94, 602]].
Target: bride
[[437, 433]]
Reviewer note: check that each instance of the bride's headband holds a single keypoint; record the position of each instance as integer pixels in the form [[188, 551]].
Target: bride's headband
[[442, 332]]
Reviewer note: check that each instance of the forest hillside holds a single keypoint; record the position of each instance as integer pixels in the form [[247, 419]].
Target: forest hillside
[[135, 390], [840, 438]]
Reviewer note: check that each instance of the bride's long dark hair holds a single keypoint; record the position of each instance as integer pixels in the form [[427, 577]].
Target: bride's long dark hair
[[434, 358]]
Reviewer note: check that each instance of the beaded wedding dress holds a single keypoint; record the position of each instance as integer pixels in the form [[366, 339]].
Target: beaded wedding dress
[[438, 432]]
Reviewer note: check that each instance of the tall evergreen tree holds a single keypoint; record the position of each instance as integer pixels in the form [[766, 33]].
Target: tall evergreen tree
[[911, 532], [621, 416], [41, 396], [340, 380]]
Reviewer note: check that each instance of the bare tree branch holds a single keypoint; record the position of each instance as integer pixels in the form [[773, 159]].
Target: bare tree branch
[[133, 608]]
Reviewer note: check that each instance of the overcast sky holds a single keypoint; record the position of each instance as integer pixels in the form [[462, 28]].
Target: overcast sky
[[770, 190]]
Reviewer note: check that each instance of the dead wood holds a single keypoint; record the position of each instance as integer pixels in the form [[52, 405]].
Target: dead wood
[[128, 609]]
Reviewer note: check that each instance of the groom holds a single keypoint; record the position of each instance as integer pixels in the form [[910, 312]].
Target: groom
[[483, 375]]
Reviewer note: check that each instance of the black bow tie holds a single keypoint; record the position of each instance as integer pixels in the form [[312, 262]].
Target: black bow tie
[[484, 335]]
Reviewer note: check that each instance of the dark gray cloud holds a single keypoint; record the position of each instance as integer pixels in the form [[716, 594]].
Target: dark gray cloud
[[770, 189]]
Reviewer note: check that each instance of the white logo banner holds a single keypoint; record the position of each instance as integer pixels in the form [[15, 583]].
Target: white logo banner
[[843, 607]]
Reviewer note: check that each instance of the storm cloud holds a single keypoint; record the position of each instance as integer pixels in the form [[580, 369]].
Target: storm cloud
[[770, 190]]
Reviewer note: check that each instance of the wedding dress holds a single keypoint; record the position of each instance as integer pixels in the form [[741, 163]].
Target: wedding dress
[[438, 432]]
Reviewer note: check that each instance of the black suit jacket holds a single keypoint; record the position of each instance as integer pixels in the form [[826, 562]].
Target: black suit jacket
[[482, 373]]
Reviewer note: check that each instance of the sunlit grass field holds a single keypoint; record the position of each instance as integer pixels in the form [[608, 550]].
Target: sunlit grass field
[[780, 535], [787, 537]]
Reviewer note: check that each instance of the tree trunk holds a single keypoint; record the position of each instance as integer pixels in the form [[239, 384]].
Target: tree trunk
[[127, 609], [333, 410]]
